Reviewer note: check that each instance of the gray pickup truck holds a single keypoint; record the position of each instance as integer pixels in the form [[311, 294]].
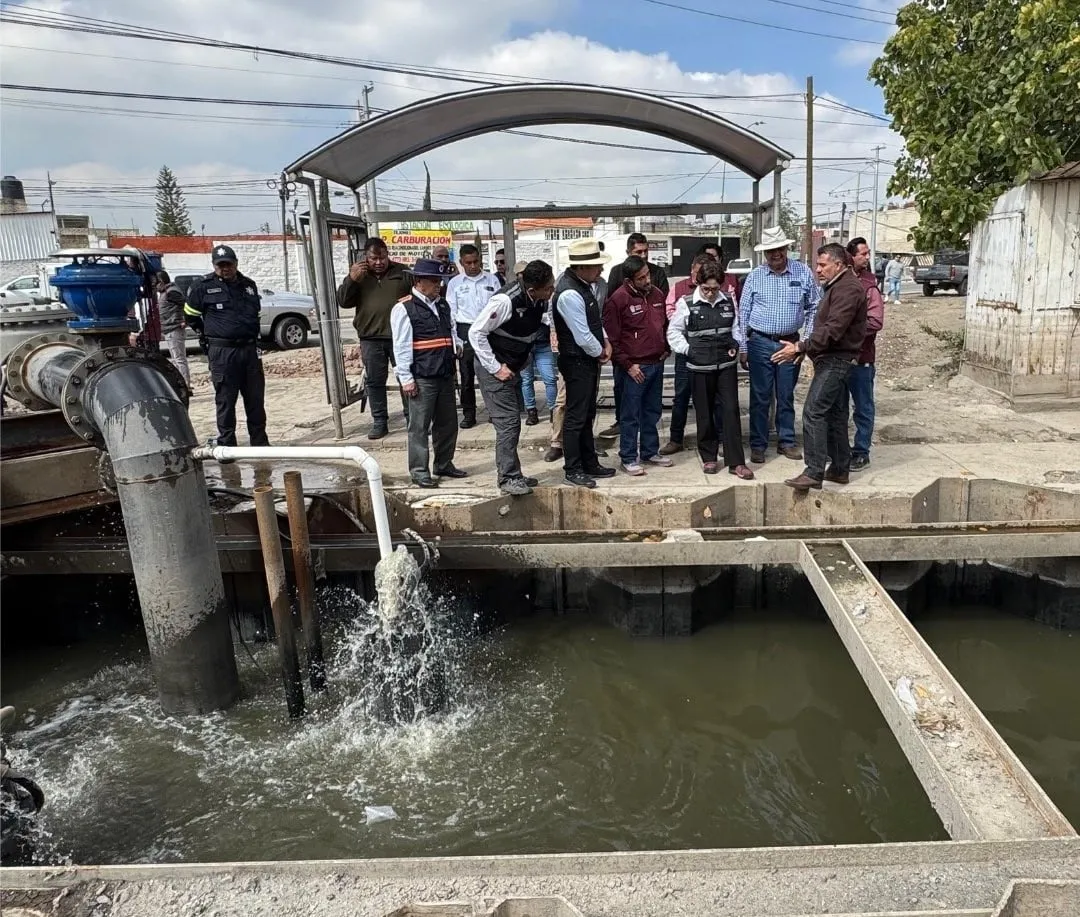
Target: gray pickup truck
[[948, 272]]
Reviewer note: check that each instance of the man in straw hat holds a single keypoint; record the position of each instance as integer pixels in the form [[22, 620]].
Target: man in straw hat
[[583, 346], [425, 348], [778, 299]]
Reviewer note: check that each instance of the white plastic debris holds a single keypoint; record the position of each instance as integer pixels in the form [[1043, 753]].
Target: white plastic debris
[[683, 536], [860, 610], [756, 538], [376, 814], [905, 691]]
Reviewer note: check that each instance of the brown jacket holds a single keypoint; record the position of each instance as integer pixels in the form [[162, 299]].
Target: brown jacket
[[840, 325]]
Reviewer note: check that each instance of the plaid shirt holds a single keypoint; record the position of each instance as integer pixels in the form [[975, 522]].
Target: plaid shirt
[[779, 304]]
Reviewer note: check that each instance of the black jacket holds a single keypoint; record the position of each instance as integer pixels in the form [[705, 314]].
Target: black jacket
[[230, 311]]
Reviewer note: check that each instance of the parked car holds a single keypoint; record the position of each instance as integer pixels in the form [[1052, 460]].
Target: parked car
[[739, 266], [948, 272], [28, 285], [286, 320]]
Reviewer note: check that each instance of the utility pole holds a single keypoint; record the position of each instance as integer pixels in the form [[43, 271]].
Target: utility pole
[[858, 192], [843, 223], [873, 219], [808, 231], [637, 217], [372, 193], [283, 193], [52, 207]]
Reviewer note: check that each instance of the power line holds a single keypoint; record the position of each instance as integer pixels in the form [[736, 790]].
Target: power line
[[764, 25], [846, 15]]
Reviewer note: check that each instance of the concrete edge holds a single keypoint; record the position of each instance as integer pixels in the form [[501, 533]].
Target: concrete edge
[[566, 864]]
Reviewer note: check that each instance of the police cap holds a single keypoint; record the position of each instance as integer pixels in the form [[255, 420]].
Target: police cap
[[224, 253]]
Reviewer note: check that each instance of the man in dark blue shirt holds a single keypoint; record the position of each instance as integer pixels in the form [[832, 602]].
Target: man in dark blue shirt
[[228, 303]]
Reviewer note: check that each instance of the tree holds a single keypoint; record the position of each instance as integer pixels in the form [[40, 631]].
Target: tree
[[172, 212], [789, 222], [427, 190], [986, 93]]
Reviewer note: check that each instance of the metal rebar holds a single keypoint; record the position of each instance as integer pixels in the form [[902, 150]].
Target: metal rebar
[[305, 581], [274, 563]]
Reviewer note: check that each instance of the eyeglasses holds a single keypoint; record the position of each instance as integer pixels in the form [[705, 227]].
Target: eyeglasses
[[707, 289]]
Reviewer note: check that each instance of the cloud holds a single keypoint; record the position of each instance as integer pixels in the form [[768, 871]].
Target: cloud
[[105, 153]]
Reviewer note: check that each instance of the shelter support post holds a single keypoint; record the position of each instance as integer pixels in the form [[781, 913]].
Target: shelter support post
[[777, 195], [755, 221], [509, 242]]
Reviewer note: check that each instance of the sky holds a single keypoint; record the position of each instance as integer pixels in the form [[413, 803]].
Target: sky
[[104, 153]]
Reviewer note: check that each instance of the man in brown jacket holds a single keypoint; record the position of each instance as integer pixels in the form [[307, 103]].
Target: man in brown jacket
[[833, 347]]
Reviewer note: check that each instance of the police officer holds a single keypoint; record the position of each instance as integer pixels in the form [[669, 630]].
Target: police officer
[[503, 336], [228, 304]]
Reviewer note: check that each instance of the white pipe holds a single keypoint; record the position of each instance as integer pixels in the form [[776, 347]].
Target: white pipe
[[350, 453]]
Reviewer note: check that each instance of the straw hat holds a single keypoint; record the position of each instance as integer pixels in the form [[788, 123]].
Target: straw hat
[[771, 238], [584, 252], [519, 267]]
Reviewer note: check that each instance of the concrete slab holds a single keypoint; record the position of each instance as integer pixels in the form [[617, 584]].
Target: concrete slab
[[975, 782]]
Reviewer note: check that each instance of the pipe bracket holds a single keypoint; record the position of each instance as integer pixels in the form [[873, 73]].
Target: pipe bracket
[[15, 361]]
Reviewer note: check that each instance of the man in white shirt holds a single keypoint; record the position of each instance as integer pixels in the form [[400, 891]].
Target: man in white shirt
[[468, 293], [425, 345], [503, 339]]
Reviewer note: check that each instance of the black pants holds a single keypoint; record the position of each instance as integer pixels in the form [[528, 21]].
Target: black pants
[[825, 421], [467, 377], [722, 385], [582, 378], [378, 355], [432, 414], [238, 372]]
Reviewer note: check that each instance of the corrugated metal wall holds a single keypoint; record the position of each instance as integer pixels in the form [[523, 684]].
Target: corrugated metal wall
[[27, 236]]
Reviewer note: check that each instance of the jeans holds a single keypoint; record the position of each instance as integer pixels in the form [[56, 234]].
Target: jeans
[[503, 403], [765, 377], [825, 422], [378, 356], [860, 386], [177, 342], [582, 378], [642, 404], [542, 361], [617, 385], [893, 288]]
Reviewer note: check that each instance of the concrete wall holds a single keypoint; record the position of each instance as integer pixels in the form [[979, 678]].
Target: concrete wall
[[893, 227], [1023, 308], [9, 270]]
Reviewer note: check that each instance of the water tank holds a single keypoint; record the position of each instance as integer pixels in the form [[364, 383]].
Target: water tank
[[12, 196]]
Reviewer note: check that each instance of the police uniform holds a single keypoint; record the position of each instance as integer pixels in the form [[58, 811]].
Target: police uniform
[[229, 311], [425, 352]]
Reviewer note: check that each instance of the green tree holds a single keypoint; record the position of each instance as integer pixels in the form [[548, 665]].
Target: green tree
[[172, 213], [789, 222], [985, 94]]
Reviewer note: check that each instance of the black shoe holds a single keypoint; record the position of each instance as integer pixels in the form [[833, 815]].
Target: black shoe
[[532, 418], [859, 462], [553, 454], [427, 481], [577, 479], [468, 422], [378, 431], [529, 482], [600, 472], [451, 471]]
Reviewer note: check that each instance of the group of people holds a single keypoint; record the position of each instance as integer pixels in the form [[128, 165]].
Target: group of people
[[445, 328], [440, 327]]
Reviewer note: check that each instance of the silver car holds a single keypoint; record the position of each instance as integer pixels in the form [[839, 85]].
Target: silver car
[[286, 319]]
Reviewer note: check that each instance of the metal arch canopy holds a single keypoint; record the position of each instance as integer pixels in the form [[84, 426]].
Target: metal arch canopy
[[365, 151]]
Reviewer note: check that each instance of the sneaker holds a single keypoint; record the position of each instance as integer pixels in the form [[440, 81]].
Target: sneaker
[[468, 422], [757, 456], [532, 418], [600, 471], [633, 469], [553, 454], [662, 460], [670, 448], [859, 462], [531, 482], [610, 433], [515, 487], [577, 479], [378, 431]]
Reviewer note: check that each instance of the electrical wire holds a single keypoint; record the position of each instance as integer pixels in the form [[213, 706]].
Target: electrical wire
[[764, 25]]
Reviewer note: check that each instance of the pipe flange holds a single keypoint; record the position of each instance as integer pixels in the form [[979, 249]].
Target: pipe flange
[[71, 402], [13, 366]]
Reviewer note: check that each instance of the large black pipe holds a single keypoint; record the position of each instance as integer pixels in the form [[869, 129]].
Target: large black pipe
[[149, 438]]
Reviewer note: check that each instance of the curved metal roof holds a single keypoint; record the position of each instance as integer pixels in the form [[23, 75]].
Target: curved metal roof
[[363, 152]]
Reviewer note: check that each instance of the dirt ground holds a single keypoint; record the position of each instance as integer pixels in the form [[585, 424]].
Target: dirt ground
[[920, 397]]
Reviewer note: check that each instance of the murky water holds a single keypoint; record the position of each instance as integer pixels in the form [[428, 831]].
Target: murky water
[[572, 737]]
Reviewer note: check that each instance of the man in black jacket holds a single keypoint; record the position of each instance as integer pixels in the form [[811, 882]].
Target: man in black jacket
[[228, 304], [171, 313]]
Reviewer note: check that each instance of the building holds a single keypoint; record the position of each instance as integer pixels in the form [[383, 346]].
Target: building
[[27, 239], [1022, 334], [894, 228]]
